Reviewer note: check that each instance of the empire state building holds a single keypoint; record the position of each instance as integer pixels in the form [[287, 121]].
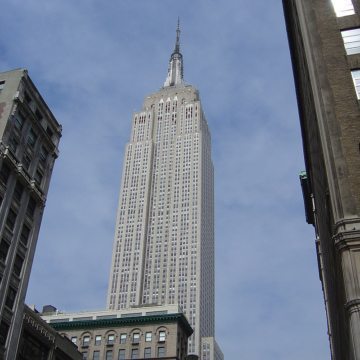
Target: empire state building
[[163, 250]]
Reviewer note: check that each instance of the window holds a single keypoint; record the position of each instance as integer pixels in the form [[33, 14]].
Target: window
[[11, 219], [343, 7], [4, 329], [84, 355], [19, 122], [4, 173], [49, 131], [18, 265], [31, 207], [162, 336], [86, 341], [96, 355], [356, 78], [135, 353], [26, 160], [38, 114], [18, 191], [351, 40], [25, 234], [32, 137], [10, 298], [74, 339], [43, 155], [39, 176], [111, 339], [161, 351], [122, 338], [4, 249], [97, 339], [13, 143], [109, 355], [148, 336], [147, 353], [121, 354], [2, 84], [136, 338]]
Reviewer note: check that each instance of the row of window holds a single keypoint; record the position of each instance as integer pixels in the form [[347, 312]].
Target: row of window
[[110, 340], [134, 354]]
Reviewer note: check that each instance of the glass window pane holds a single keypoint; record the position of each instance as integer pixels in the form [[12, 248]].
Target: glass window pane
[[343, 7]]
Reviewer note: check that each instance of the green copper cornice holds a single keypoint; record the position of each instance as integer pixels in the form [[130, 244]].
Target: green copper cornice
[[119, 322]]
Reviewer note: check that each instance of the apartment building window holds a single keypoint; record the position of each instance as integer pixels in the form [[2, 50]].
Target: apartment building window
[[98, 340], [4, 330], [32, 137], [356, 79], [13, 143], [134, 353], [343, 7], [161, 352], [10, 298], [26, 160], [162, 336], [148, 336], [136, 338], [25, 234], [11, 219], [18, 264], [31, 207], [109, 355], [84, 355], [147, 353], [19, 122], [74, 339], [351, 40], [18, 191], [4, 173], [4, 249], [2, 84], [86, 341], [43, 155], [96, 355], [121, 354], [122, 338], [111, 339]]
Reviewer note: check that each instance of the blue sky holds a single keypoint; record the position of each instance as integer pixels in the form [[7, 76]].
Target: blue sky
[[94, 62]]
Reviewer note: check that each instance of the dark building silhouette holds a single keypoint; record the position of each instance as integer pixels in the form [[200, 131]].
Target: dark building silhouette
[[29, 137]]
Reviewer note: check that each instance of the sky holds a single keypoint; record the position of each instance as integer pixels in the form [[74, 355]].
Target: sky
[[94, 62]]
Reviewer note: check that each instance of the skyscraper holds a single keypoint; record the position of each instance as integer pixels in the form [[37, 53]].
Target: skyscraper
[[164, 238], [325, 49], [29, 136]]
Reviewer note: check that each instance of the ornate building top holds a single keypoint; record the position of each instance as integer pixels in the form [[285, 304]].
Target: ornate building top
[[175, 71]]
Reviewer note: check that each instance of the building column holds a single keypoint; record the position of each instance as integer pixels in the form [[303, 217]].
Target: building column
[[347, 243]]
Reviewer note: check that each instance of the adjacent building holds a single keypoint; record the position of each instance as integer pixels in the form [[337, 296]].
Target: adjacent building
[[163, 250], [40, 341], [324, 38], [159, 332], [29, 138]]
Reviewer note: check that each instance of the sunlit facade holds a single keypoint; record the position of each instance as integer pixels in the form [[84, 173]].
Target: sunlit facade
[[164, 242]]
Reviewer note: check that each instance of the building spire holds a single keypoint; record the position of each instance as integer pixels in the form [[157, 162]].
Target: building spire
[[175, 69], [177, 44]]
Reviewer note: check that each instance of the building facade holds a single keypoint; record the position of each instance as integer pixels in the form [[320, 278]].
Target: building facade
[[40, 341], [29, 137], [164, 238], [139, 333], [324, 38]]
